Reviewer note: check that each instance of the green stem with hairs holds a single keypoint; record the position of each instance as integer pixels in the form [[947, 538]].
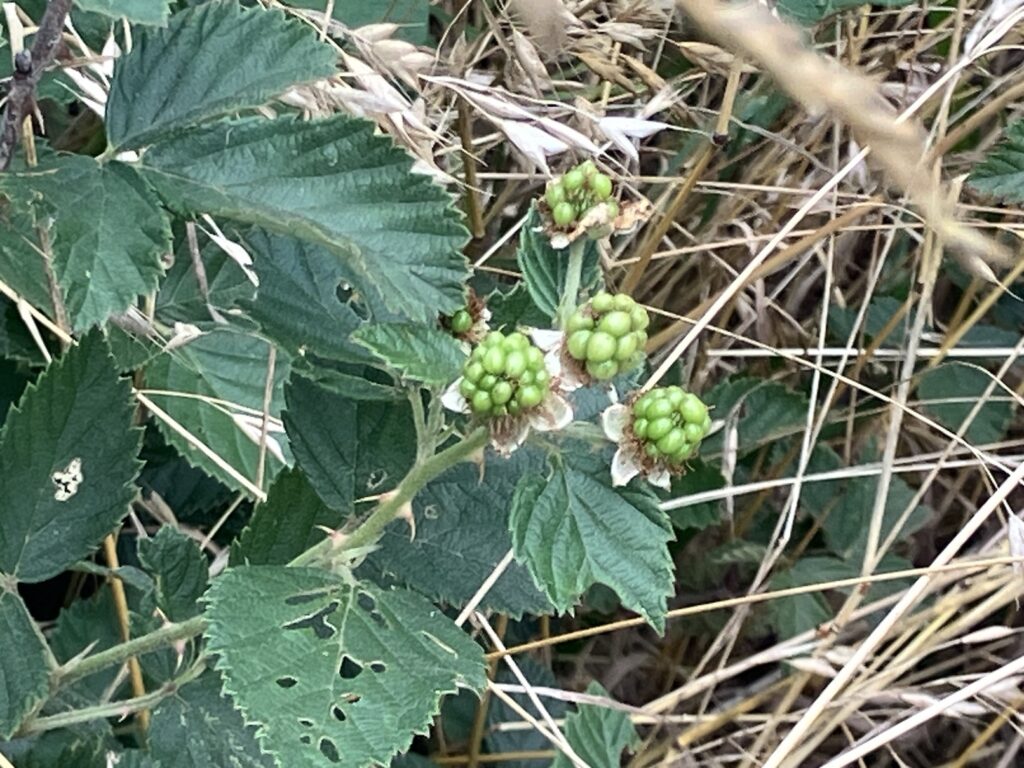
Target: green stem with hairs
[[573, 277], [112, 709], [371, 529], [76, 669]]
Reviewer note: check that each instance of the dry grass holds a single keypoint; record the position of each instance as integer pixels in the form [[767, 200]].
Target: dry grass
[[819, 206]]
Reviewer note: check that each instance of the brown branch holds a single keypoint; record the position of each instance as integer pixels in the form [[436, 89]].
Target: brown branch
[[29, 68]]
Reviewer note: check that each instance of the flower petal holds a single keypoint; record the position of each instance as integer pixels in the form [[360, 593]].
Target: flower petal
[[614, 420], [553, 414], [452, 398], [505, 441], [624, 467], [661, 478], [546, 339]]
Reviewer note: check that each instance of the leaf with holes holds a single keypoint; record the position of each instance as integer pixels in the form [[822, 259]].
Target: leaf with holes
[[179, 569], [416, 352], [214, 387], [108, 232], [67, 463], [347, 448], [334, 182], [598, 734], [297, 303], [24, 672], [211, 60], [1001, 173], [334, 673], [572, 529], [461, 536], [545, 269], [199, 727]]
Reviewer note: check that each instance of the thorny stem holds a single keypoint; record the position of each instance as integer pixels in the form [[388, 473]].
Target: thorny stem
[[166, 635], [112, 709], [371, 528], [572, 281]]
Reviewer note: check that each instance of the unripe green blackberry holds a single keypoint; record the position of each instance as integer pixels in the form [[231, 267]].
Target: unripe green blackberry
[[607, 335], [504, 376], [461, 321], [670, 423], [571, 197]]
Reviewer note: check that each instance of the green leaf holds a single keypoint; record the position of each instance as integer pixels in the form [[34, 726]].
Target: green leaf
[[211, 60], [515, 307], [347, 448], [108, 233], [297, 304], [199, 727], [410, 15], [179, 569], [335, 670], [67, 463], [699, 478], [810, 12], [352, 383], [230, 367], [847, 507], [1001, 173], [598, 734], [544, 269], [24, 671], [21, 263], [417, 352], [285, 525], [800, 613], [180, 299], [17, 346], [89, 623], [333, 182], [461, 522], [136, 758], [880, 311], [573, 529], [137, 11], [964, 385], [764, 412], [67, 748]]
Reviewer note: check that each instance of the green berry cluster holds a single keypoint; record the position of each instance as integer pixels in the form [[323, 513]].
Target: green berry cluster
[[670, 422], [461, 322], [579, 190], [504, 376], [608, 335]]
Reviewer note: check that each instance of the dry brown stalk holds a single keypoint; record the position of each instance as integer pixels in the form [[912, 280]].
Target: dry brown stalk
[[822, 84]]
